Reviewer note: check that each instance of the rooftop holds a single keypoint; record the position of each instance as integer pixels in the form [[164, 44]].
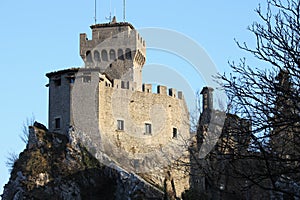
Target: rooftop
[[112, 24], [71, 70]]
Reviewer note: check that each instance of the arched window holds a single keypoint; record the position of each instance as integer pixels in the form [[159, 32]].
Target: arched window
[[120, 54], [104, 55], [96, 56], [112, 54], [88, 56], [128, 54]]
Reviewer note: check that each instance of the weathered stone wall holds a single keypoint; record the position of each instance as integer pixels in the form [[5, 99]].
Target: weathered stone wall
[[136, 108], [132, 147]]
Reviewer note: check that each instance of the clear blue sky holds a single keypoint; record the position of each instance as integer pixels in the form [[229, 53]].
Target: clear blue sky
[[42, 36]]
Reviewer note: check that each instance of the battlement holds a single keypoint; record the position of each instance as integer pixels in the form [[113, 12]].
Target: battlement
[[146, 88], [101, 36], [111, 41], [119, 84], [85, 73], [116, 28], [100, 31], [163, 90]]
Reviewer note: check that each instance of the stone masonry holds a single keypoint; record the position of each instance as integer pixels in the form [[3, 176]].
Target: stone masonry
[[138, 128]]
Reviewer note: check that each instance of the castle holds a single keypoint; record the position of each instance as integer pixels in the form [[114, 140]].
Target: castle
[[142, 131], [106, 101]]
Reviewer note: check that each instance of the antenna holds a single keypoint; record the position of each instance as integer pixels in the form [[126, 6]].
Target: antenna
[[110, 10], [109, 18], [124, 10], [95, 18]]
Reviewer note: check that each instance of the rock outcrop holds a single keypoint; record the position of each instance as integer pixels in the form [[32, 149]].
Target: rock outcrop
[[51, 167]]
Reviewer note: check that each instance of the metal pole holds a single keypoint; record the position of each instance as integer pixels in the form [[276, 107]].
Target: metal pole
[[95, 11], [124, 10]]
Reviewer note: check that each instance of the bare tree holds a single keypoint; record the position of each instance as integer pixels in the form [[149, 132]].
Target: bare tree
[[25, 128], [268, 96], [11, 159]]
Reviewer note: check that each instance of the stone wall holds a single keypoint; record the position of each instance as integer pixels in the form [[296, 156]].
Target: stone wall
[[95, 105], [133, 147]]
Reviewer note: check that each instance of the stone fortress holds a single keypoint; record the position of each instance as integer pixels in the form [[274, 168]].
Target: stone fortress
[[140, 129]]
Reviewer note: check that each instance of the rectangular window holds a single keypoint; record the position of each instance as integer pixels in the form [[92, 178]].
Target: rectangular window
[[87, 78], [120, 125], [148, 128], [57, 82], [72, 80], [174, 132], [57, 123], [125, 85]]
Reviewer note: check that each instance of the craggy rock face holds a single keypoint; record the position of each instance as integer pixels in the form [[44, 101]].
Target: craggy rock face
[[54, 169]]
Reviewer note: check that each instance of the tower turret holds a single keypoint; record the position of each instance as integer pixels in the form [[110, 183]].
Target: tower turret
[[207, 98], [117, 49]]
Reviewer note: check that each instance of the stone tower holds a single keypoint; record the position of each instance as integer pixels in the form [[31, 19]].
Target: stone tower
[[117, 49], [60, 90]]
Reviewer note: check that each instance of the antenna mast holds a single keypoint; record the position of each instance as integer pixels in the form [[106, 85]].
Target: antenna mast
[[109, 18], [95, 18], [124, 10]]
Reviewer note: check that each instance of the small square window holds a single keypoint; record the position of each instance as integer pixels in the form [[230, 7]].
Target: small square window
[[120, 124], [174, 132], [57, 123], [72, 80], [125, 84], [87, 78], [57, 82], [148, 128]]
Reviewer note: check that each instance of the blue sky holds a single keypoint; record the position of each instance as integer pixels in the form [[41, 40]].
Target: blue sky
[[42, 36]]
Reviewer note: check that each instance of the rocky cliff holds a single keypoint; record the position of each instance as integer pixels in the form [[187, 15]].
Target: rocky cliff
[[51, 167]]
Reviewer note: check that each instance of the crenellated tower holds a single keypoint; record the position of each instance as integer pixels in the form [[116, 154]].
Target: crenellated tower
[[117, 49]]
